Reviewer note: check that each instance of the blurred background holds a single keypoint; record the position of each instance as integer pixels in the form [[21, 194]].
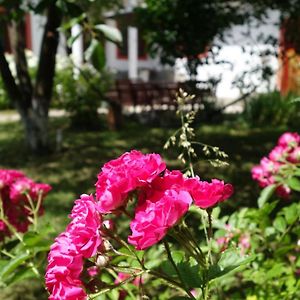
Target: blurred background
[[83, 81]]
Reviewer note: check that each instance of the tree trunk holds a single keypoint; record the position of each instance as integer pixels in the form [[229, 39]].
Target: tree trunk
[[115, 117], [36, 129], [33, 102]]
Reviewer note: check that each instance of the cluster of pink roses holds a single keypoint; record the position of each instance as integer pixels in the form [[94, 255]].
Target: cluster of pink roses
[[163, 199], [80, 240], [15, 189], [286, 151]]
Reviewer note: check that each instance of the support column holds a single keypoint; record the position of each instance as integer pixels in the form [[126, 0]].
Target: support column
[[77, 47], [132, 53]]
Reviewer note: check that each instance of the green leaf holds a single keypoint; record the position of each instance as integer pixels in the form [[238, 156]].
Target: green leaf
[[12, 265], [230, 261], [190, 273], [111, 33], [96, 55], [297, 172], [265, 195], [280, 224], [32, 238], [291, 213], [21, 274], [178, 256], [294, 183], [73, 38]]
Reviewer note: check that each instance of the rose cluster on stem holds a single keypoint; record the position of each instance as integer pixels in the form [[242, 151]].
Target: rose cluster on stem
[[20, 201], [163, 198], [271, 168]]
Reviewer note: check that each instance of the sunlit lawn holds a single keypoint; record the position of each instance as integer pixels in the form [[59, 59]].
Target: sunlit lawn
[[74, 169]]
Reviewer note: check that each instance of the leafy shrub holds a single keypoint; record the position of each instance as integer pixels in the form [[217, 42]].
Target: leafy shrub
[[271, 231], [81, 95], [23, 246], [272, 109]]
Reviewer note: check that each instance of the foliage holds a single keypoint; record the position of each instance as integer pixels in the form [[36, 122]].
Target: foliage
[[271, 231], [32, 95], [81, 95], [271, 109], [177, 29]]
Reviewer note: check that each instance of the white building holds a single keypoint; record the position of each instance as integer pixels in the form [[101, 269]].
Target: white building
[[132, 61]]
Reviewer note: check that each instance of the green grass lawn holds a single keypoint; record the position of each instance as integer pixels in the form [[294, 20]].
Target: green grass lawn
[[74, 170]]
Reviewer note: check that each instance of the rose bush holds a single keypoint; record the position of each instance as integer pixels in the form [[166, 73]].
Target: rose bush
[[23, 244], [91, 245]]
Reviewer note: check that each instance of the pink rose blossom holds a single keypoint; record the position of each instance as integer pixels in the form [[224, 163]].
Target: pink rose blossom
[[63, 270], [156, 216], [123, 175], [207, 194], [294, 156], [278, 153], [80, 240], [93, 271], [289, 139], [19, 188], [85, 225]]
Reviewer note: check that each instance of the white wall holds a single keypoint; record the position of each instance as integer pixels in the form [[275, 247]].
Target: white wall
[[116, 64], [240, 61], [37, 31]]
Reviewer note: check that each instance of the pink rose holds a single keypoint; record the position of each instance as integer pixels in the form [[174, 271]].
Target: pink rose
[[123, 175], [278, 153], [85, 225], [7, 177], [294, 156], [289, 139], [206, 194], [63, 270], [19, 188], [156, 216]]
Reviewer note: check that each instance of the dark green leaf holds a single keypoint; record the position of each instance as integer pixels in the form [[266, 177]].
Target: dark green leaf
[[12, 265], [265, 195], [230, 260], [191, 274], [96, 55], [20, 274]]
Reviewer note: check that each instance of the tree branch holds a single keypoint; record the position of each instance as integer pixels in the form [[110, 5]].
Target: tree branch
[[9, 81], [17, 38], [46, 68]]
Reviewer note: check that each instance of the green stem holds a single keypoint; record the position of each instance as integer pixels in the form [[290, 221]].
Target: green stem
[[177, 270], [210, 233]]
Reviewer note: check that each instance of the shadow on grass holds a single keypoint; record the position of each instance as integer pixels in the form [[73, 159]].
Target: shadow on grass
[[74, 170]]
